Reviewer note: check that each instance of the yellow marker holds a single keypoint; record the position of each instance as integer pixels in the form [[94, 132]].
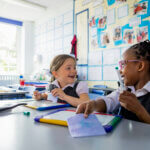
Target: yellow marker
[[54, 121]]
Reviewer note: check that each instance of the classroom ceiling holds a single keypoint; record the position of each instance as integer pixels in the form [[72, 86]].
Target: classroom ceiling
[[29, 10]]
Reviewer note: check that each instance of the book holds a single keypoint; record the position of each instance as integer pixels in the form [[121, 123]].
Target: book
[[60, 117], [46, 105]]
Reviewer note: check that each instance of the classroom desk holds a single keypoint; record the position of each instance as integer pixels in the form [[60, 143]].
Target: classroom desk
[[11, 95], [20, 132], [106, 90]]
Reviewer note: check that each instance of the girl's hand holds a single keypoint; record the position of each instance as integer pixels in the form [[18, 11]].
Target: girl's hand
[[86, 108], [37, 95], [129, 101], [58, 92]]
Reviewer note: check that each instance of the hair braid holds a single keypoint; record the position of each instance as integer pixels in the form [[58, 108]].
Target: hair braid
[[142, 50]]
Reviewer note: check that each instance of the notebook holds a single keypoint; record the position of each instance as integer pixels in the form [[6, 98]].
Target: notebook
[[45, 105], [60, 116]]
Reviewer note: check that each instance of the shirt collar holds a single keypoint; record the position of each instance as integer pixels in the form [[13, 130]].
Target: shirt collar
[[145, 87], [57, 84], [142, 91]]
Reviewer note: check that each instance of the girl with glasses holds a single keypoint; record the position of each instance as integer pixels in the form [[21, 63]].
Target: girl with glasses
[[135, 72]]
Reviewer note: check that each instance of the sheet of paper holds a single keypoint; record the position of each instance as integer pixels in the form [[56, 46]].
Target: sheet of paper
[[68, 29], [95, 73], [58, 33], [109, 73], [68, 17], [111, 16], [67, 42], [58, 44], [58, 22], [52, 98], [123, 11], [97, 2], [111, 56], [81, 127], [99, 12], [95, 58]]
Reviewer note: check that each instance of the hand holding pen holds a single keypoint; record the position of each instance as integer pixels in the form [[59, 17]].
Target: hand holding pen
[[38, 95], [122, 86]]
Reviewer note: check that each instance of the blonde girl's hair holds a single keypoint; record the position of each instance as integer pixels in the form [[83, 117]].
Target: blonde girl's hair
[[57, 62]]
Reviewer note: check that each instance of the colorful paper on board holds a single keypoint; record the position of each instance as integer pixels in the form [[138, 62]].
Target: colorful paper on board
[[82, 127]]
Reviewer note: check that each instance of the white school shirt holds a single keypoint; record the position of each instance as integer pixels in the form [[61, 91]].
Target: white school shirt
[[82, 87], [112, 100]]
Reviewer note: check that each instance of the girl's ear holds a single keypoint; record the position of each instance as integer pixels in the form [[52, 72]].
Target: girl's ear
[[54, 73], [141, 66]]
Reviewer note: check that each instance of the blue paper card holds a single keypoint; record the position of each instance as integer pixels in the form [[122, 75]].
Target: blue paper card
[[81, 127]]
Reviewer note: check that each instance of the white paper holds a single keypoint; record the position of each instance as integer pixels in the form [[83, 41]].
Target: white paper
[[68, 29], [99, 12], [58, 33], [50, 25], [52, 98], [95, 73], [67, 42], [135, 21], [59, 21], [50, 35], [94, 43], [58, 44], [111, 16], [123, 11], [85, 2], [93, 31], [68, 17], [111, 56], [109, 73], [95, 58], [97, 2]]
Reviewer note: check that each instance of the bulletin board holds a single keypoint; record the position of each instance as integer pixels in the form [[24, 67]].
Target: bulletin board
[[113, 26]]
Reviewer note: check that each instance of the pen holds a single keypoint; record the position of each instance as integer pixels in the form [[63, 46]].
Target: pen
[[112, 124], [120, 80], [53, 107]]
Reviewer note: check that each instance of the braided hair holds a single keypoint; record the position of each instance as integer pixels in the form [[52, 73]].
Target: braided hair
[[142, 50]]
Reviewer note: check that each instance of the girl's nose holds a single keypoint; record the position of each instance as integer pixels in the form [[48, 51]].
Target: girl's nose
[[121, 72]]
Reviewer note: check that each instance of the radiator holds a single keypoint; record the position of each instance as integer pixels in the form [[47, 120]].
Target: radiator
[[8, 80]]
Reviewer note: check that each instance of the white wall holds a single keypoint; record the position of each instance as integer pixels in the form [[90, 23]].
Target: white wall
[[42, 35], [27, 51]]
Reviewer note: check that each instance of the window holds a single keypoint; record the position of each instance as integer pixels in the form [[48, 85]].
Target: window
[[8, 49]]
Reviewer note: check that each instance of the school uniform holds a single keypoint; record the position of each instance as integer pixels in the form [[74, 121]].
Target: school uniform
[[143, 95], [75, 89]]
